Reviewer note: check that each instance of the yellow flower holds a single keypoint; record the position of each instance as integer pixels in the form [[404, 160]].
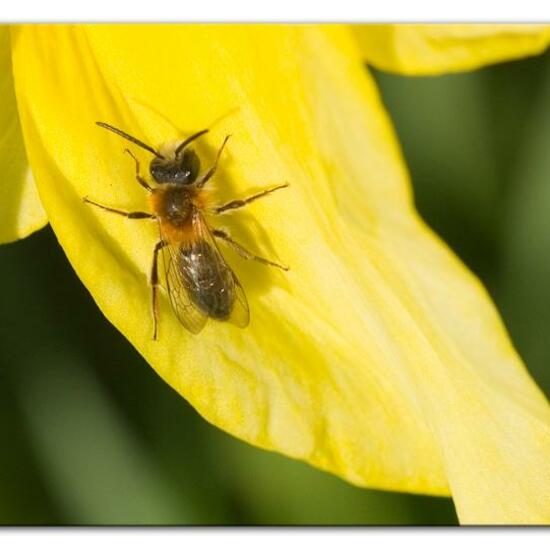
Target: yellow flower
[[378, 357], [21, 212]]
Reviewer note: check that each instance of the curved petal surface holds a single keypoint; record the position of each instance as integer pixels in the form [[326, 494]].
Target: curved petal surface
[[21, 211], [378, 356], [445, 48]]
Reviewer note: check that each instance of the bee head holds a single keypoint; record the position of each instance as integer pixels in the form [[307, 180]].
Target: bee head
[[182, 169]]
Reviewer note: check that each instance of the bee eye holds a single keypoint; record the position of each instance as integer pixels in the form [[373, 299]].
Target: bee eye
[[190, 164], [161, 172], [183, 171]]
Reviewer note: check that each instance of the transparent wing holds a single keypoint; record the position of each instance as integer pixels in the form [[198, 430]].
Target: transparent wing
[[240, 314], [188, 314]]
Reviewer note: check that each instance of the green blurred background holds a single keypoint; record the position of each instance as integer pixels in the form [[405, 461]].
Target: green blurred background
[[91, 435]]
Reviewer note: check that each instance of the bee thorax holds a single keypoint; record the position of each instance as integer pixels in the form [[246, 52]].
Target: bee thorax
[[173, 205]]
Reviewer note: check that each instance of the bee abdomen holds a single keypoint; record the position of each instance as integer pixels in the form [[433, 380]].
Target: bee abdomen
[[209, 281]]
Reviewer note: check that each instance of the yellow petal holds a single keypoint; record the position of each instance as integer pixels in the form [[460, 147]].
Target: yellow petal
[[444, 48], [378, 356], [21, 212]]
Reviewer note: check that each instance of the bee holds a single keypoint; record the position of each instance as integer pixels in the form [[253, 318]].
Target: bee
[[199, 282]]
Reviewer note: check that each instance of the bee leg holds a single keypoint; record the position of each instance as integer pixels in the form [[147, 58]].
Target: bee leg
[[139, 179], [239, 203], [239, 249], [212, 170], [154, 281], [130, 215]]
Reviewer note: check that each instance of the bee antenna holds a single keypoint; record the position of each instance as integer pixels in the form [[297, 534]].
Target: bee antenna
[[129, 138], [187, 141]]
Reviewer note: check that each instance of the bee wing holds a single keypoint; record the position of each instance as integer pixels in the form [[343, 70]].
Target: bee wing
[[191, 317], [240, 314]]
